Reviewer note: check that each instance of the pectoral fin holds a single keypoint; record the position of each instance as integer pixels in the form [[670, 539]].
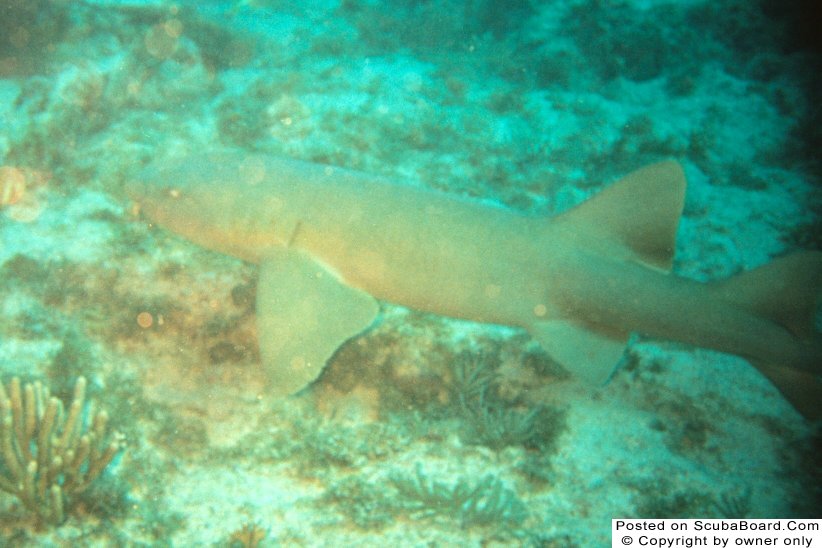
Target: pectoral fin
[[304, 313], [587, 354]]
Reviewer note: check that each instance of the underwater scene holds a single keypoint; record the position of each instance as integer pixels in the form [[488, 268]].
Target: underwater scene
[[406, 272]]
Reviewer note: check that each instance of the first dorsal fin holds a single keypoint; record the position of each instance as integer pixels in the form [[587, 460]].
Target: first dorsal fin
[[639, 213]]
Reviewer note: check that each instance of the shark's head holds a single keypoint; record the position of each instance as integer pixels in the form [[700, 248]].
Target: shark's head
[[172, 194], [199, 197]]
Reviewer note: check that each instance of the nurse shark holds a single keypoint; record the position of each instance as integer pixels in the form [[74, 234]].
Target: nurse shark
[[331, 242]]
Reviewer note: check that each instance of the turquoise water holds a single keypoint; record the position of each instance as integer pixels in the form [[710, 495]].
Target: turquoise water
[[422, 429]]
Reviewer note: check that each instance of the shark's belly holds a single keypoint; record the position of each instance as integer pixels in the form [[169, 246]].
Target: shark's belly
[[451, 273]]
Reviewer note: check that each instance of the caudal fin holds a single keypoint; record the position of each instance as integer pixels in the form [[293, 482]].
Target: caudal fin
[[802, 389], [786, 292]]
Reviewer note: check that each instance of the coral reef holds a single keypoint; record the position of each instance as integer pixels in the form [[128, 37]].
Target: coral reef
[[48, 455], [472, 377], [489, 420], [249, 535], [369, 506], [733, 505], [486, 502]]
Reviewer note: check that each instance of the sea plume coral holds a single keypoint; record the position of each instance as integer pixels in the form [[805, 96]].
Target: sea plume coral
[[48, 455], [485, 502]]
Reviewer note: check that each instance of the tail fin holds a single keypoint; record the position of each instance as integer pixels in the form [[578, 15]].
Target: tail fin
[[786, 291], [803, 390]]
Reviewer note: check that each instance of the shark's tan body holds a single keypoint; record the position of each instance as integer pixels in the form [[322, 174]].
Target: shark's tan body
[[330, 241]]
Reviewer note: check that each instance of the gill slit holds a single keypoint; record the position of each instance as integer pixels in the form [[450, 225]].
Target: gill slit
[[294, 234]]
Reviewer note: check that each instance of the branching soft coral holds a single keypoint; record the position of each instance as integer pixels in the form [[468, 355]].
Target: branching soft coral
[[47, 456]]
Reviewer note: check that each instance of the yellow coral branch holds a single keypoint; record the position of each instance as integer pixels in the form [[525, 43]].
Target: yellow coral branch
[[50, 456]]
